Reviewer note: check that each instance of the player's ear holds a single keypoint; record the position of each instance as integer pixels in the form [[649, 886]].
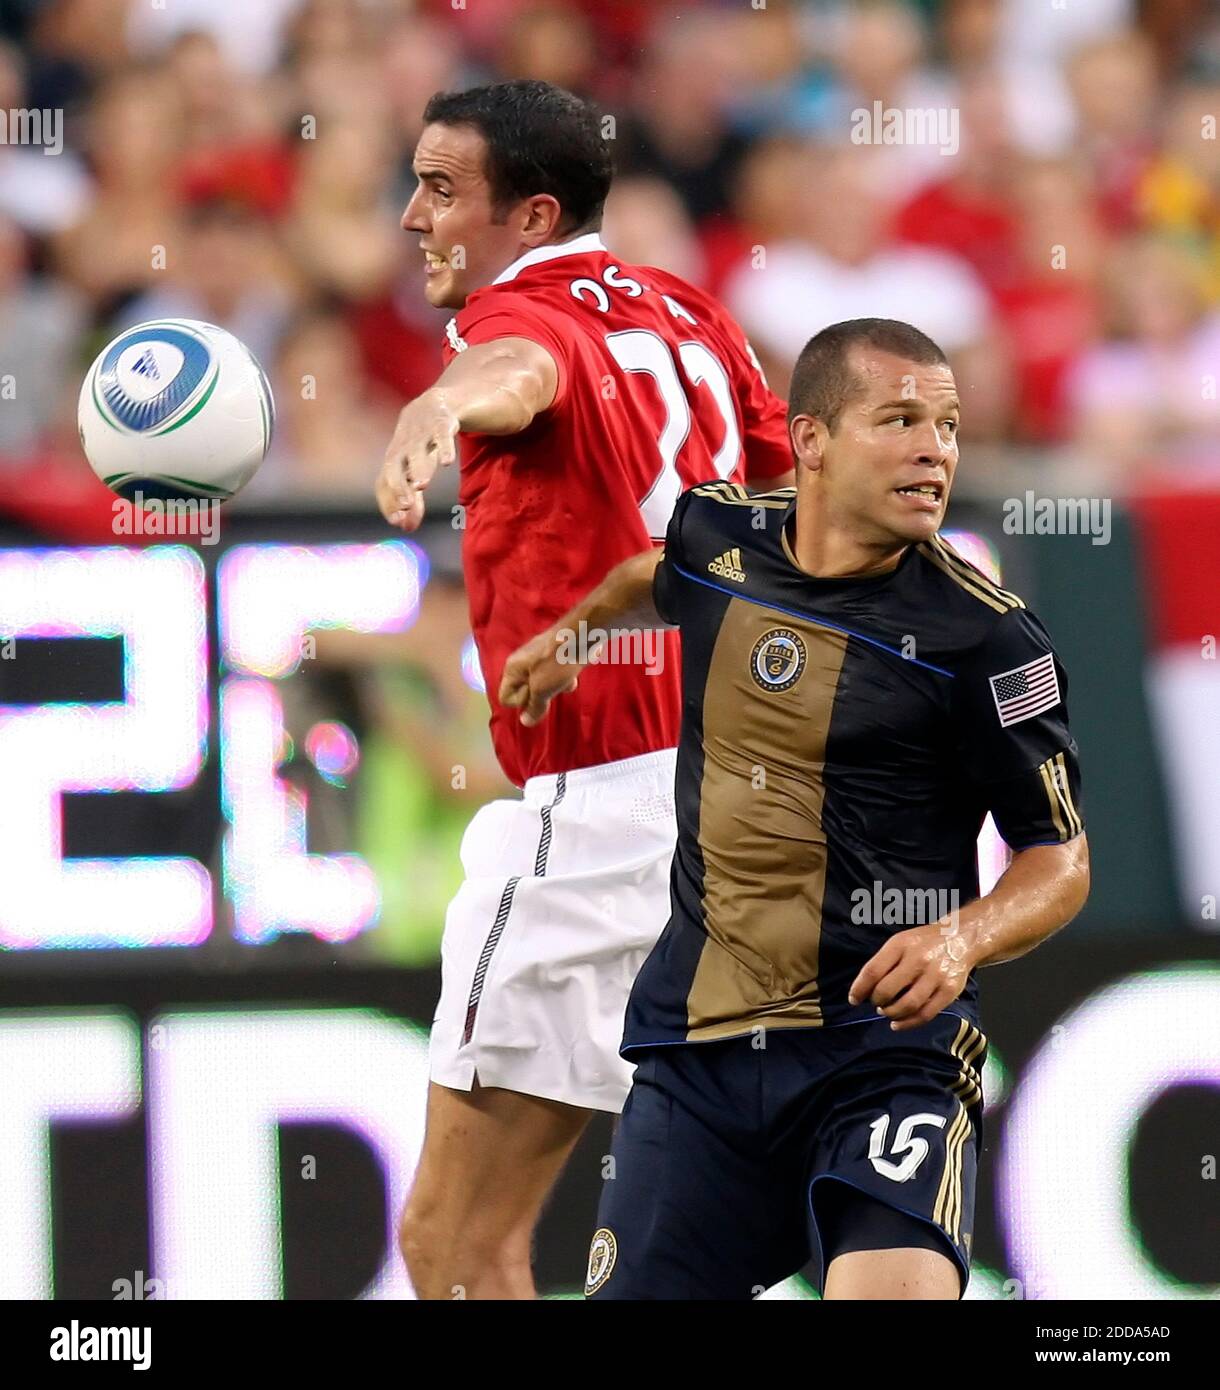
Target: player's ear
[[542, 219], [808, 436]]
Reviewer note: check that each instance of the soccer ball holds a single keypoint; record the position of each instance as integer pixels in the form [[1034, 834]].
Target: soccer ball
[[175, 409]]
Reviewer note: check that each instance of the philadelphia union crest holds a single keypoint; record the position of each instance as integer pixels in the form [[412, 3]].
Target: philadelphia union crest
[[778, 659], [602, 1254]]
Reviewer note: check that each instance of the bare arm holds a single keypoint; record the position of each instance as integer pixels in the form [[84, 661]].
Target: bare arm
[[491, 388], [1041, 891], [919, 972], [550, 664]]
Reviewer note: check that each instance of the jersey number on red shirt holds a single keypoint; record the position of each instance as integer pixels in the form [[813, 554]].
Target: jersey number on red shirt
[[639, 350]]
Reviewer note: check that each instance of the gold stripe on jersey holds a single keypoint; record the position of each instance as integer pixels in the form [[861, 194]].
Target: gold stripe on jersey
[[1064, 787], [967, 571], [948, 1193], [954, 1211], [1054, 776], [971, 580], [974, 576], [967, 1045], [761, 832], [734, 495], [1048, 786], [933, 558]]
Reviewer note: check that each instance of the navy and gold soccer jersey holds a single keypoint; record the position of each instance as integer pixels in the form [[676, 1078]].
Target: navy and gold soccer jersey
[[842, 743]]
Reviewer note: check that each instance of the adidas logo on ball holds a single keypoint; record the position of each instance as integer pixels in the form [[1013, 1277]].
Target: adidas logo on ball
[[147, 366], [174, 411]]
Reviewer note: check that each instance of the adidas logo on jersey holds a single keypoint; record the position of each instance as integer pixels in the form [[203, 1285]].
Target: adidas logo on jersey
[[728, 566]]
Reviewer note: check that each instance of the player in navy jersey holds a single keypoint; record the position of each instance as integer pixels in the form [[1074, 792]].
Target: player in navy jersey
[[582, 394], [857, 698]]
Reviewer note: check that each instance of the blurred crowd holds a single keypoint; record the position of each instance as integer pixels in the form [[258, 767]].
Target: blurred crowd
[[246, 162]]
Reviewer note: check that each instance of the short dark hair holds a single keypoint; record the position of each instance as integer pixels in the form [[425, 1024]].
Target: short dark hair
[[540, 139], [823, 380]]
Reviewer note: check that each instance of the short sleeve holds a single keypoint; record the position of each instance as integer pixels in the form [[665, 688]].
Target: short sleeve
[[481, 323], [668, 583], [1011, 719]]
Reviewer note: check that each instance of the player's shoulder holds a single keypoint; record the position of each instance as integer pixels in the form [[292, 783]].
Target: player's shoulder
[[512, 298], [701, 309], [566, 288], [721, 492], [700, 302], [980, 616], [965, 588], [722, 512]]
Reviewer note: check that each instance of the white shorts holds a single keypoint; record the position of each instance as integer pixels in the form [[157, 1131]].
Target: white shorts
[[566, 891]]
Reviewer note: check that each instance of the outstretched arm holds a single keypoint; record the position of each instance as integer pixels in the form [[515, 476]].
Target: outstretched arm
[[491, 388], [550, 664], [919, 972]]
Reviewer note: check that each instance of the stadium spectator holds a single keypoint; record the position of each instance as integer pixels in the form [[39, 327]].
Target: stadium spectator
[[41, 322], [115, 247], [343, 233], [330, 429], [1149, 392], [762, 210], [44, 193], [1115, 92], [239, 160], [839, 266], [676, 128], [251, 34], [418, 57], [1180, 192], [1048, 306], [645, 223], [968, 210], [227, 269], [878, 56], [549, 41]]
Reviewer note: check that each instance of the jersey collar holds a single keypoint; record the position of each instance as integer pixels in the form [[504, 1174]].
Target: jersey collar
[[578, 246]]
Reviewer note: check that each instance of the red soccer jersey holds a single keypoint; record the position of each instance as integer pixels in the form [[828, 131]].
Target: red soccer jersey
[[658, 390]]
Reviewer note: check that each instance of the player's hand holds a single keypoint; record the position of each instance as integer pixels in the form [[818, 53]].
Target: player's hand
[[535, 674], [424, 439], [916, 974]]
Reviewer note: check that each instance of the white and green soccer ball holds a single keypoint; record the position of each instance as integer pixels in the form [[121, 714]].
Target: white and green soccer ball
[[175, 409]]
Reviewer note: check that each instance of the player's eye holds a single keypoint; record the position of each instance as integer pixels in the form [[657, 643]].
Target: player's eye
[[898, 419], [951, 426]]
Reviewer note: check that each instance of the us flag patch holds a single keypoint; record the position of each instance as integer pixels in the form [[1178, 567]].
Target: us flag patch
[[1026, 690]]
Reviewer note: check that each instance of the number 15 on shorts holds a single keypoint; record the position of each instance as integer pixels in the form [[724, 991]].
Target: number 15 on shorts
[[909, 1149]]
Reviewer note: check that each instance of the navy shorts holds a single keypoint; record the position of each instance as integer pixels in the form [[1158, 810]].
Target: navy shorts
[[736, 1163]]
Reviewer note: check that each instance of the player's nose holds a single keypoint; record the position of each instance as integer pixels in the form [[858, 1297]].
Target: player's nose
[[933, 448], [412, 217]]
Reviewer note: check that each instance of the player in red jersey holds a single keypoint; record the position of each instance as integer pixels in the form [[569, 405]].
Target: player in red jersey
[[588, 394]]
